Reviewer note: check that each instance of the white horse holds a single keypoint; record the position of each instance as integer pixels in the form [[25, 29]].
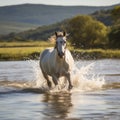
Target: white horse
[[57, 62]]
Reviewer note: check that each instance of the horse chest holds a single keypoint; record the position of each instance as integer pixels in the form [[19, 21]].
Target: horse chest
[[61, 69]]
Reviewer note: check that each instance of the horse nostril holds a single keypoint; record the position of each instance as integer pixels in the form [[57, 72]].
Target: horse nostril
[[61, 54]]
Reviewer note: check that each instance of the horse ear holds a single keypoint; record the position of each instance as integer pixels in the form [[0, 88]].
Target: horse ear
[[64, 33], [56, 34]]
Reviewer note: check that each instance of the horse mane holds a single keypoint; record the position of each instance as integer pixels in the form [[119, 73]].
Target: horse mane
[[53, 37]]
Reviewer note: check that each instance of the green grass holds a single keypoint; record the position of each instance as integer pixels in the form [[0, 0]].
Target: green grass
[[18, 53], [26, 44], [22, 50], [26, 50]]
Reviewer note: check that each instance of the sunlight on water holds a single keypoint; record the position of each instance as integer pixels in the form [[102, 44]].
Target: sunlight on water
[[83, 78]]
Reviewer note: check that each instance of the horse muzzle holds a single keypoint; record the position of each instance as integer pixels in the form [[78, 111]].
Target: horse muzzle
[[61, 54]]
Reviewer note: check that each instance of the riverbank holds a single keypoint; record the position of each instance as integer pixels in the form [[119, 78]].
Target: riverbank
[[31, 50], [96, 54]]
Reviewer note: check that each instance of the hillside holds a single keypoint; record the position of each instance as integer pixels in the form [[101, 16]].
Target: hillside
[[27, 16], [8, 27], [40, 33], [45, 31], [103, 16]]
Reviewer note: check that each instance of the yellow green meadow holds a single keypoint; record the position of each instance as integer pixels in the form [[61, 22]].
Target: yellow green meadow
[[21, 50], [31, 50]]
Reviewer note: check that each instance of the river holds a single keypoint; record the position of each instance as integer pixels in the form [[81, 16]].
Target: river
[[24, 94]]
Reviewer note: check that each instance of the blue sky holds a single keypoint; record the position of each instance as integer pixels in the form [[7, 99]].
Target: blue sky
[[62, 2]]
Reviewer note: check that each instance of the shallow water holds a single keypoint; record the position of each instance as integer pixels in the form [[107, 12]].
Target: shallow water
[[96, 94]]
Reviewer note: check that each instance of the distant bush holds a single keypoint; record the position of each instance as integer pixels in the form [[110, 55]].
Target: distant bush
[[86, 32], [114, 34]]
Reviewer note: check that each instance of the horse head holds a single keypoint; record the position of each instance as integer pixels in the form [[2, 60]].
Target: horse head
[[60, 43]]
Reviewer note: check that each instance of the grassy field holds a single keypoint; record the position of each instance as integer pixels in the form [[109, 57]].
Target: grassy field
[[31, 50], [25, 44], [22, 50]]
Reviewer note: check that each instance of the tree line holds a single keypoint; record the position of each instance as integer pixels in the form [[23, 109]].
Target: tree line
[[87, 32]]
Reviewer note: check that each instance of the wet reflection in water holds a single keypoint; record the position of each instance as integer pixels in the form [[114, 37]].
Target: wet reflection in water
[[57, 105]]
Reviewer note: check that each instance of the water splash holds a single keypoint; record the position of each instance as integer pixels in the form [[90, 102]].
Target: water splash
[[83, 78], [39, 80]]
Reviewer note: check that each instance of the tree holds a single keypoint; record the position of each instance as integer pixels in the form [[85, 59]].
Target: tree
[[114, 37], [86, 32], [116, 14], [114, 34]]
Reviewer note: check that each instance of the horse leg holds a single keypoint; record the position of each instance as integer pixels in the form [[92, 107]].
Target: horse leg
[[48, 81], [69, 80], [54, 78]]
